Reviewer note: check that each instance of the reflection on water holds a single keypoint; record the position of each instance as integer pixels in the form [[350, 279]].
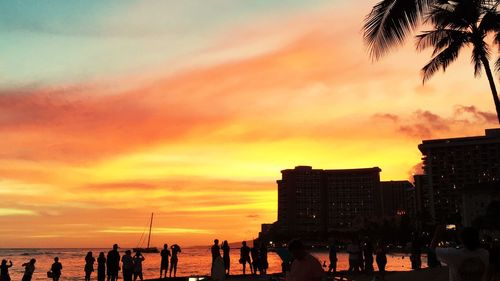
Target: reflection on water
[[192, 261]]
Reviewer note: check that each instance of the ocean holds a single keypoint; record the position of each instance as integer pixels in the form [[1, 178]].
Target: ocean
[[192, 261]]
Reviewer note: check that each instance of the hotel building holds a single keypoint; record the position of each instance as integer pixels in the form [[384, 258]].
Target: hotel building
[[452, 164]]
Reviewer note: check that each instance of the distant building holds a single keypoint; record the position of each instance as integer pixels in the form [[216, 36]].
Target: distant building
[[423, 201], [316, 201], [451, 164], [476, 198], [398, 198]]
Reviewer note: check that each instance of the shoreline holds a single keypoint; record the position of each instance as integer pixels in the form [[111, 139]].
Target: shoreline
[[430, 274]]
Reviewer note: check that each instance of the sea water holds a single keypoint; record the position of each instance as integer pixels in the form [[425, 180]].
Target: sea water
[[192, 261]]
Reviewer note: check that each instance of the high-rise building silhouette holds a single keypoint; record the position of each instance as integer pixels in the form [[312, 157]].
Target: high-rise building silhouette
[[316, 201], [398, 198], [452, 164]]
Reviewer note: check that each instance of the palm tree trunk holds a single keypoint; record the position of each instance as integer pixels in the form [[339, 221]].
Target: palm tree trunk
[[487, 69]]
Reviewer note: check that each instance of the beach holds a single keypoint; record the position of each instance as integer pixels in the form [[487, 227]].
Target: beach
[[428, 274]]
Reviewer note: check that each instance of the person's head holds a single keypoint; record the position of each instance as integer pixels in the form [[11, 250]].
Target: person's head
[[216, 242], [165, 246], [128, 252], [297, 249], [115, 247], [138, 253], [244, 243], [89, 254], [33, 261], [56, 259], [4, 262], [470, 238], [101, 254], [225, 243]]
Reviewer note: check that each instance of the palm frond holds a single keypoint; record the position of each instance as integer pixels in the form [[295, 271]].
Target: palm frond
[[490, 22], [439, 39], [497, 65], [447, 16], [441, 60], [390, 22]]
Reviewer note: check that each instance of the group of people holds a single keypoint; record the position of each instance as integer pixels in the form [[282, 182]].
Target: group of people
[[361, 256], [255, 257], [174, 259], [471, 261], [29, 268], [108, 266]]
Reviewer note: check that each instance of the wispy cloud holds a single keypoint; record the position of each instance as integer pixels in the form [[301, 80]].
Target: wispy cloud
[[160, 230]]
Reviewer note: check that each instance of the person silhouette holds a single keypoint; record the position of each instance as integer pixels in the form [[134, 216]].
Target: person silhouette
[[304, 267], [263, 263], [218, 273], [255, 258], [332, 256], [138, 259], [165, 255], [245, 257], [101, 267], [416, 252], [56, 269], [368, 256], [225, 256], [215, 249], [89, 265], [381, 259], [4, 270], [176, 249], [29, 269], [113, 263], [127, 266]]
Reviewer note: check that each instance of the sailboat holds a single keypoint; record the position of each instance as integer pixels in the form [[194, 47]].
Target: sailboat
[[148, 249]]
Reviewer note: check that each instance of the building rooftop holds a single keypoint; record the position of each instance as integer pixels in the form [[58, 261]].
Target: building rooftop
[[333, 171], [491, 135]]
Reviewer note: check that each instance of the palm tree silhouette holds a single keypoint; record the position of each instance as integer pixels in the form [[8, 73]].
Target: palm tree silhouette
[[456, 24]]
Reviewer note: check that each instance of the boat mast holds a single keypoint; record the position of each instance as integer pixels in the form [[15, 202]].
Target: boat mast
[[150, 226]]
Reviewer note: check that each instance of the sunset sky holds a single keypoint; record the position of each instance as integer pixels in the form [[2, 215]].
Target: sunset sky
[[111, 110]]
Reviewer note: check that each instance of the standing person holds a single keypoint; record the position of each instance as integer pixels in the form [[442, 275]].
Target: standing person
[[113, 263], [255, 257], [468, 263], [127, 266], [165, 255], [29, 269], [225, 256], [215, 250], [217, 272], [305, 267], [381, 259], [368, 256], [264, 264], [416, 252], [176, 249], [101, 267], [332, 256], [4, 270], [354, 255], [245, 257], [56, 269], [89, 265], [138, 259]]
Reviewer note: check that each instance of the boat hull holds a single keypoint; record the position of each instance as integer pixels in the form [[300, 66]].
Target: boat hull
[[146, 250]]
